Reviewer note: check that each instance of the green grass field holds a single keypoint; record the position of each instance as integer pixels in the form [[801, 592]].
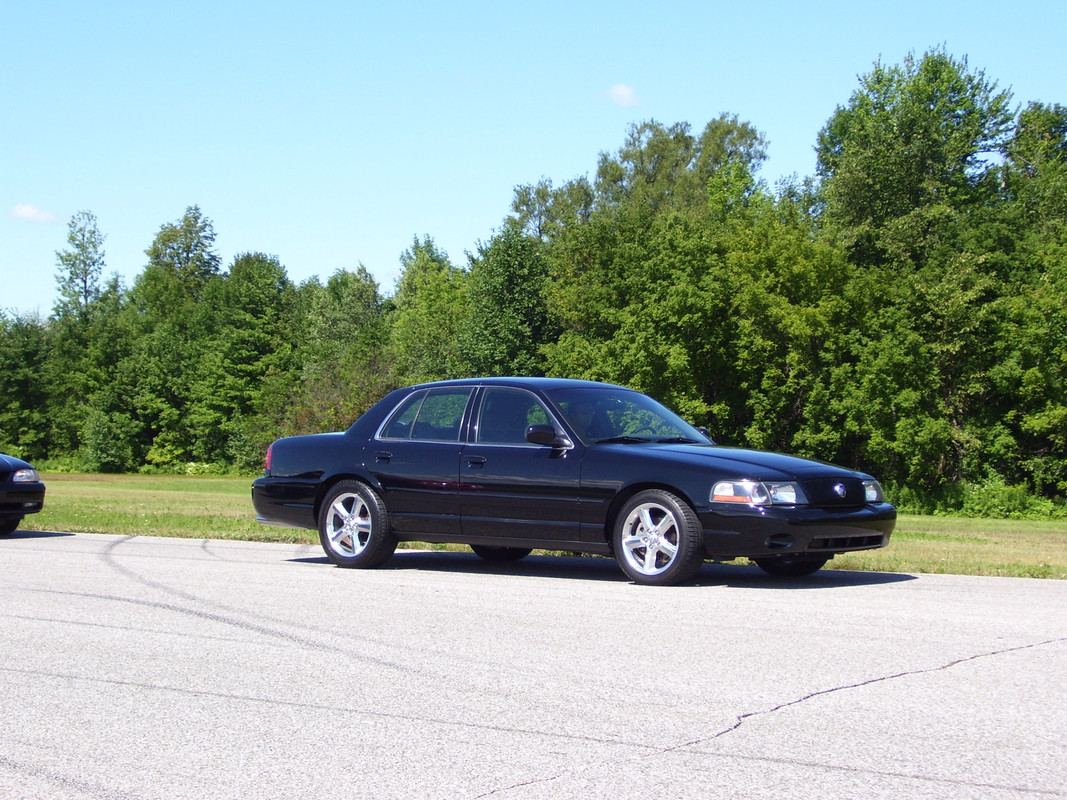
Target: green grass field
[[221, 508]]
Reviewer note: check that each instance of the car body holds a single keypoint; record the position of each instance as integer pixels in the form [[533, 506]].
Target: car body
[[21, 492], [507, 465]]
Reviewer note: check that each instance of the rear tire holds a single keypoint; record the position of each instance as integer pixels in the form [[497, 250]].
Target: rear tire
[[500, 553], [791, 566], [354, 527], [658, 539]]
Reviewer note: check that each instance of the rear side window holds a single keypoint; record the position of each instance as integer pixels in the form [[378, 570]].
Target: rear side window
[[433, 415]]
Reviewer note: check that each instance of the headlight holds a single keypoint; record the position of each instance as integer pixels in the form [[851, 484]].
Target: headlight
[[757, 493], [873, 491], [25, 476]]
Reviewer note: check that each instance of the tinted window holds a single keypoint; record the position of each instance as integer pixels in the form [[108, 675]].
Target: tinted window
[[507, 413], [599, 414], [433, 415]]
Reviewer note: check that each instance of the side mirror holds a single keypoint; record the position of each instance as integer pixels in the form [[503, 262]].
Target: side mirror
[[546, 436]]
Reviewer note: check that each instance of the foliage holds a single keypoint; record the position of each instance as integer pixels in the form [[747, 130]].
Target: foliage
[[903, 311]]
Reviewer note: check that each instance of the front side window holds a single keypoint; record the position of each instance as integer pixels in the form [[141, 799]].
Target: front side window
[[506, 414], [430, 415]]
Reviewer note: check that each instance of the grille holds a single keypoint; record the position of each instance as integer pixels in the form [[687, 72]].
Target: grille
[[823, 492]]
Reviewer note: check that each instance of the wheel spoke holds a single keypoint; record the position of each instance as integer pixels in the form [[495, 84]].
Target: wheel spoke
[[646, 520], [650, 560], [668, 548]]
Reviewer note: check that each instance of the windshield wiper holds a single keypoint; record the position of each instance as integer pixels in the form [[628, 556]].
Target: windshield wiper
[[677, 440], [622, 440]]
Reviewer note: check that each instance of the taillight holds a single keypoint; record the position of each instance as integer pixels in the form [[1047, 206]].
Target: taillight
[[266, 461]]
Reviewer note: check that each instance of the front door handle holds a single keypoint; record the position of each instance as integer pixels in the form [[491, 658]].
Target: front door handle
[[475, 461]]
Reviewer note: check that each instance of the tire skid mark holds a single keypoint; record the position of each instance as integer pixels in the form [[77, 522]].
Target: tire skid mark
[[334, 708], [232, 622], [111, 560], [83, 788]]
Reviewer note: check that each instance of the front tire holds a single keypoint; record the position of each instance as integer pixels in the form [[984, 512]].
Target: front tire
[[354, 527], [658, 539], [790, 566], [9, 525]]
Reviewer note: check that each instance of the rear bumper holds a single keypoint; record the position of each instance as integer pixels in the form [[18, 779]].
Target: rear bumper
[[761, 532], [284, 503]]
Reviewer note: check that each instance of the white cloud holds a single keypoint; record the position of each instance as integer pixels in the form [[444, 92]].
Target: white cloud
[[28, 212], [622, 95]]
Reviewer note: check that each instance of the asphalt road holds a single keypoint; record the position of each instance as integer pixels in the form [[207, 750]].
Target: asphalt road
[[165, 668]]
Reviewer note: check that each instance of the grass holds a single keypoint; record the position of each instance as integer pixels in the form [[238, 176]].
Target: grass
[[221, 508]]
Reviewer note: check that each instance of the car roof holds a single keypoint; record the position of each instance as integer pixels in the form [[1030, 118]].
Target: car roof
[[529, 383]]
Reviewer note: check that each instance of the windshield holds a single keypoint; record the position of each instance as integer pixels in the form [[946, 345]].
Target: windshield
[[607, 414]]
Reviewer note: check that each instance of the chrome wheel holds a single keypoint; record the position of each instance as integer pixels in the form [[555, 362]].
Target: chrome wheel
[[650, 539], [658, 539], [354, 526], [348, 525]]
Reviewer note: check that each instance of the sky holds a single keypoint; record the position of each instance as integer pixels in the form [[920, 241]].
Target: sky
[[333, 134]]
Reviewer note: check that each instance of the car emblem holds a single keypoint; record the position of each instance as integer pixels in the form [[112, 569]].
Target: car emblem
[[839, 489]]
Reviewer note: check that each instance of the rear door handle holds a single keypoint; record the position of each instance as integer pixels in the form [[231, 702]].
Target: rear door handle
[[383, 455], [475, 461]]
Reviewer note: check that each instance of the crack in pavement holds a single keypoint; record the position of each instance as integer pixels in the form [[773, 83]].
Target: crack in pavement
[[743, 718]]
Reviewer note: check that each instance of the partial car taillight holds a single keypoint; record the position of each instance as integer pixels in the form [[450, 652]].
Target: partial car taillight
[[266, 460]]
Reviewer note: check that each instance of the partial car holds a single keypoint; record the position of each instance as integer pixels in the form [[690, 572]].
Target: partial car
[[21, 493], [508, 465]]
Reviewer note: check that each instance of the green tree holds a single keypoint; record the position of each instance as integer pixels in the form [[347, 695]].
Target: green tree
[[509, 319], [69, 370], [639, 288], [429, 316], [171, 326], [913, 147], [24, 351], [912, 190], [342, 360], [246, 340], [80, 268]]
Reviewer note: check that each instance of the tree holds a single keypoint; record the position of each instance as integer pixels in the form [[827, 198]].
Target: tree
[[246, 341], [24, 350], [342, 361], [80, 267], [911, 149], [74, 318], [185, 251], [171, 326], [640, 287], [509, 319], [429, 316]]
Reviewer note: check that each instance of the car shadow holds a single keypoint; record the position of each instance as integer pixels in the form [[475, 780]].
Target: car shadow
[[591, 568], [20, 534]]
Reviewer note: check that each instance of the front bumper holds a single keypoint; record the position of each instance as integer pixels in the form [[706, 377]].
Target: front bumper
[[17, 500], [780, 531]]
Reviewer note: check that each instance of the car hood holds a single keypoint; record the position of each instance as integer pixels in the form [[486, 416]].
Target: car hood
[[756, 464], [10, 463]]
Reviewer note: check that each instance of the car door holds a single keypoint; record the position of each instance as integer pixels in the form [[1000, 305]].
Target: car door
[[415, 458], [510, 488]]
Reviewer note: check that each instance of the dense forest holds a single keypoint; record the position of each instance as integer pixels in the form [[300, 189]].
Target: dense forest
[[903, 311]]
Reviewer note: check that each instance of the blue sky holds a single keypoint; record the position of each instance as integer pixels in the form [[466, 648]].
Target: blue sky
[[331, 134]]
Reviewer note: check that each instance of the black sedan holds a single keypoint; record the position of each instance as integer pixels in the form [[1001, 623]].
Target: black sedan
[[21, 493], [506, 465]]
